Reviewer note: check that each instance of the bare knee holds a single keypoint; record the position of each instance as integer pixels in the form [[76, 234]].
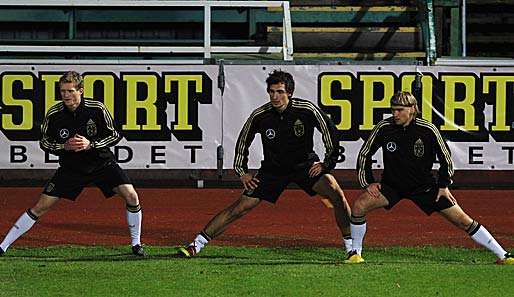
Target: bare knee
[[364, 203], [242, 207], [329, 188], [38, 211], [239, 211], [463, 222], [43, 205], [131, 198], [236, 212], [128, 193], [359, 207], [457, 217]]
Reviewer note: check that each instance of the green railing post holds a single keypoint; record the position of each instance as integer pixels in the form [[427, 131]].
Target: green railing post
[[72, 24], [426, 21]]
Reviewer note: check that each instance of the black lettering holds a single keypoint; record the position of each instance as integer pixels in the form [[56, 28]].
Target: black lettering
[[193, 149], [49, 158], [475, 152], [340, 155], [154, 154], [129, 154], [18, 154], [510, 153]]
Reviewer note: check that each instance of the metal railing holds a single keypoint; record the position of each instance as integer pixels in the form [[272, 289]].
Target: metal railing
[[286, 49], [427, 23]]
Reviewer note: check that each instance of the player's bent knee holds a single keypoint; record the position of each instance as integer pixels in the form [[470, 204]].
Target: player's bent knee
[[357, 208], [131, 198], [360, 206], [38, 212], [243, 205], [465, 223]]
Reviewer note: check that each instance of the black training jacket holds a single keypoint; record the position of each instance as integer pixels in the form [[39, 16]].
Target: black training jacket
[[92, 120], [287, 137], [408, 155]]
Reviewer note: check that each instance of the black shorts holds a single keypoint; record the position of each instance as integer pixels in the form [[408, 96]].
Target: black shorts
[[272, 185], [68, 184], [425, 200]]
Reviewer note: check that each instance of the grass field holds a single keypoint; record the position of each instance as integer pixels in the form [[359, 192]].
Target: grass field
[[240, 271]]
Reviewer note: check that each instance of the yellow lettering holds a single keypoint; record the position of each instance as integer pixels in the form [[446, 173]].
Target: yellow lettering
[[182, 112], [368, 102], [147, 104], [345, 105], [108, 95], [450, 104], [50, 81], [501, 100], [25, 104]]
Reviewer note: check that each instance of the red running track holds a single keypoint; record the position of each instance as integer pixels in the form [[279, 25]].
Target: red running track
[[175, 216]]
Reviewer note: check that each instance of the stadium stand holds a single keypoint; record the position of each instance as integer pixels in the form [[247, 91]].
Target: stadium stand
[[322, 30], [326, 30]]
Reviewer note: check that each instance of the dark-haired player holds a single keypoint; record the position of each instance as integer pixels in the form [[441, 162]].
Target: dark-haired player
[[286, 126]]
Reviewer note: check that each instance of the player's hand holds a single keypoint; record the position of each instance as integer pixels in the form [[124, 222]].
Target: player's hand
[[77, 143], [374, 189], [316, 169], [445, 192], [249, 181]]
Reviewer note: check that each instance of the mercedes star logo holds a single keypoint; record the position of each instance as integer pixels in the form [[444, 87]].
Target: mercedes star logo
[[270, 133], [391, 146], [64, 133]]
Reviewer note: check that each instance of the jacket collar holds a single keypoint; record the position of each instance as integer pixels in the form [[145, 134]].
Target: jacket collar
[[79, 108]]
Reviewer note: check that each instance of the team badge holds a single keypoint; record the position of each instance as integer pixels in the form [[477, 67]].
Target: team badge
[[419, 148], [270, 133], [91, 128], [299, 129], [64, 133], [391, 146]]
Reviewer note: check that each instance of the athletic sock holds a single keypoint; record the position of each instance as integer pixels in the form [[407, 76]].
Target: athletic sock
[[358, 229], [348, 243], [480, 235], [22, 225], [200, 241], [134, 218]]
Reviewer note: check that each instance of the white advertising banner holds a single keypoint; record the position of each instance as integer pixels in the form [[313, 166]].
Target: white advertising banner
[[175, 116]]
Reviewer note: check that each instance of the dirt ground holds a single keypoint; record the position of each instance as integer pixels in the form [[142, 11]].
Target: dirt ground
[[175, 216]]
